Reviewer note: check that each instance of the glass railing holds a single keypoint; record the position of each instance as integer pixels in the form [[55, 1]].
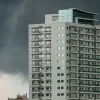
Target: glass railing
[[89, 91], [89, 58], [89, 71], [90, 65], [89, 84], [89, 78]]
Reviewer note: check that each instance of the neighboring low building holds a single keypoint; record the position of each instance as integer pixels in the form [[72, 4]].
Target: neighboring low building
[[19, 97]]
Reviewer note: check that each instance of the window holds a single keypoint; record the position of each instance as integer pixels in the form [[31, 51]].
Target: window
[[62, 28], [62, 54], [58, 87], [42, 36], [48, 42], [48, 55], [33, 30], [60, 41], [43, 49], [58, 54], [62, 48], [58, 67], [62, 74], [58, 81], [47, 36], [48, 49], [47, 94], [42, 81], [42, 43], [62, 87], [58, 28], [62, 94], [58, 48], [42, 56], [58, 94], [62, 34], [58, 74], [58, 34], [43, 30], [67, 28], [48, 29], [54, 18], [48, 62], [62, 81], [60, 61]]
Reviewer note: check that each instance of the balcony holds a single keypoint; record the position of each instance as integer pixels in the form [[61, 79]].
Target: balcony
[[89, 65], [37, 45], [89, 58], [89, 78], [89, 84], [89, 71], [47, 38], [37, 39], [89, 91]]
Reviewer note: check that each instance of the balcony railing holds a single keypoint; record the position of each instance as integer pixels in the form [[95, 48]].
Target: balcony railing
[[89, 58], [89, 65], [89, 90], [89, 84], [89, 71], [37, 39], [89, 78]]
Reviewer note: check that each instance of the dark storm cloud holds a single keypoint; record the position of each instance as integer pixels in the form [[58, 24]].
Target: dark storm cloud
[[15, 15]]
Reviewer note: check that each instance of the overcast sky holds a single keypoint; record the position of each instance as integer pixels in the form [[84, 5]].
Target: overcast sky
[[15, 15]]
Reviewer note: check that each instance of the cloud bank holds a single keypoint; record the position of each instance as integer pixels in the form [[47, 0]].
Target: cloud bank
[[10, 86]]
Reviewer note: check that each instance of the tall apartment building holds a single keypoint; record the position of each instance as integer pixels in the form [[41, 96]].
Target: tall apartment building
[[64, 57]]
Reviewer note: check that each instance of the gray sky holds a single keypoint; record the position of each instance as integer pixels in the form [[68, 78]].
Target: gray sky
[[15, 15]]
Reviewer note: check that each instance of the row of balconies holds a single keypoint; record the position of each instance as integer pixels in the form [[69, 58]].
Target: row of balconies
[[41, 96], [41, 70], [85, 58], [91, 39], [89, 71], [84, 30], [39, 77], [41, 63], [40, 90], [37, 44], [41, 50], [35, 38], [41, 29], [83, 50]]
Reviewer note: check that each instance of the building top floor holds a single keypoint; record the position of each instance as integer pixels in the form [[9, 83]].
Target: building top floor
[[71, 15]]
